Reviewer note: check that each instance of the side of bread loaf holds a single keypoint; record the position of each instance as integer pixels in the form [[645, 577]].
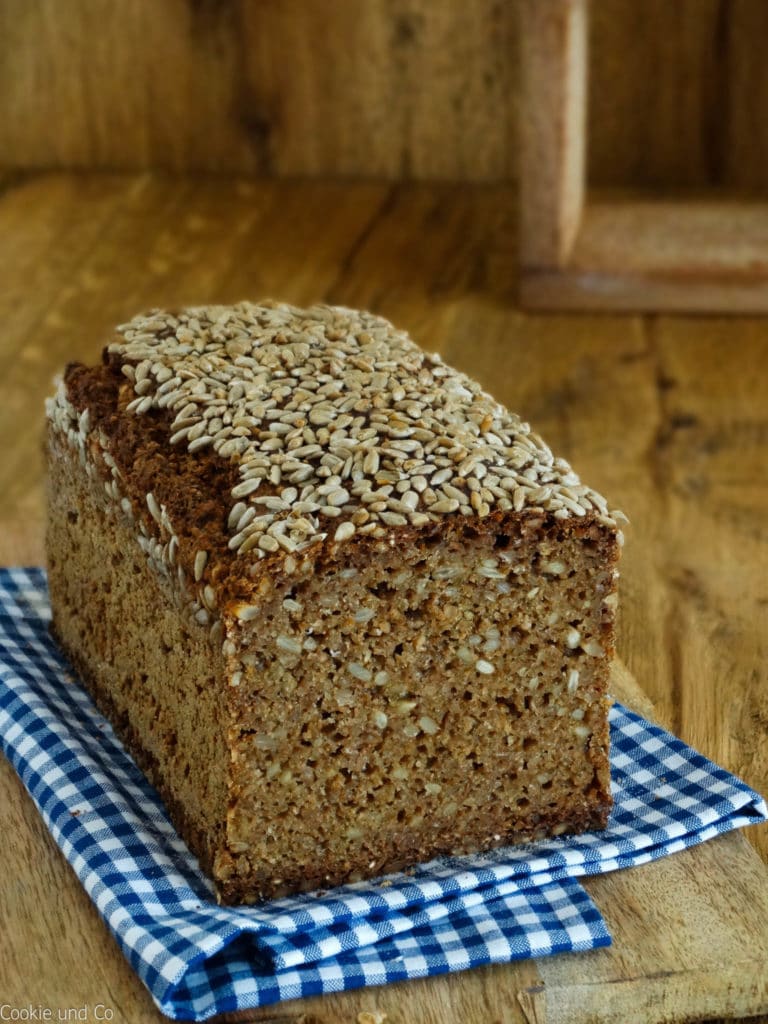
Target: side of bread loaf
[[345, 611]]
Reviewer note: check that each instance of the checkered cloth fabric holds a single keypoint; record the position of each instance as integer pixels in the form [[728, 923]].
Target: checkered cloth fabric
[[199, 959]]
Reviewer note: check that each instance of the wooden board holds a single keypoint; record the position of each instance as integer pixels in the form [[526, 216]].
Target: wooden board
[[667, 417], [688, 255], [659, 255]]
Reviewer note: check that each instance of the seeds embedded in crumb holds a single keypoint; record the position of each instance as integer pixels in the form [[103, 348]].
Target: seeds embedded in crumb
[[484, 667], [364, 614], [247, 612], [491, 574], [359, 671], [201, 560], [573, 680], [573, 638], [428, 725], [448, 572], [287, 643], [380, 719], [593, 649], [553, 568]]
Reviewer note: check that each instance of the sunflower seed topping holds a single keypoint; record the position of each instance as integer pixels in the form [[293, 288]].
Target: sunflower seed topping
[[328, 413], [344, 531]]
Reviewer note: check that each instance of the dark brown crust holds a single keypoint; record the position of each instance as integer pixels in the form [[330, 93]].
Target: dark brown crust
[[190, 487]]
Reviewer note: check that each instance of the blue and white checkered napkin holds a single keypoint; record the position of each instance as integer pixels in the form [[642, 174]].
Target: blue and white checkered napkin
[[199, 959]]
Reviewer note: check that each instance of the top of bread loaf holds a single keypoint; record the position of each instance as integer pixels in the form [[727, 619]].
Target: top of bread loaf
[[333, 424]]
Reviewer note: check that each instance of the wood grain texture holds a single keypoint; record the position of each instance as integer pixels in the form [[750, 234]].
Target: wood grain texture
[[395, 88], [647, 254], [656, 255], [552, 129], [656, 92], [665, 416], [678, 95]]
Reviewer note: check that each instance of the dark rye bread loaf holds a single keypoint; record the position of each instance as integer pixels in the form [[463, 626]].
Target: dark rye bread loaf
[[345, 611]]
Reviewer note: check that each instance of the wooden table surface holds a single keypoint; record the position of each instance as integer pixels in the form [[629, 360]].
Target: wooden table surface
[[667, 416]]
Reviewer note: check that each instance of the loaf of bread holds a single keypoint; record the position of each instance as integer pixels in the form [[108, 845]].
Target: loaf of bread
[[344, 610]]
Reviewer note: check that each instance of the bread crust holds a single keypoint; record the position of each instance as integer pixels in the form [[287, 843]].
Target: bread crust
[[507, 609]]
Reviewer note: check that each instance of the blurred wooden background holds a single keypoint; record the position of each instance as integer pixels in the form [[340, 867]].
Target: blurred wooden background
[[397, 89]]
